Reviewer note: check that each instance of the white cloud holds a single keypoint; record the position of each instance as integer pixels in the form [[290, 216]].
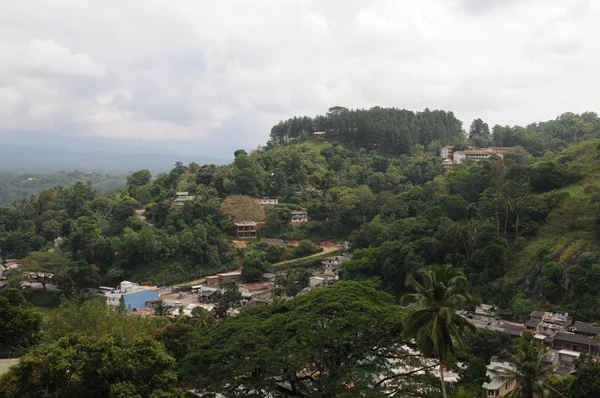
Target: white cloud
[[229, 70]]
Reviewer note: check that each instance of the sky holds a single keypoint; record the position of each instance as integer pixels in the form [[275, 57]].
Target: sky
[[211, 75]]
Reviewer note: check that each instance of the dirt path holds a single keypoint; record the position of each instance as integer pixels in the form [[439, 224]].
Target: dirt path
[[326, 249]]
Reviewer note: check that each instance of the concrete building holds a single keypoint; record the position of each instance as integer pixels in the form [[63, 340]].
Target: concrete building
[[477, 155], [585, 329], [497, 387], [323, 279], [257, 291], [485, 313], [575, 342], [131, 295], [246, 229], [224, 278], [299, 216], [548, 323], [333, 262], [447, 151], [267, 201]]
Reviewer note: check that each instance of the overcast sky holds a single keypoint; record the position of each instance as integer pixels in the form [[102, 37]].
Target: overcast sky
[[226, 70]]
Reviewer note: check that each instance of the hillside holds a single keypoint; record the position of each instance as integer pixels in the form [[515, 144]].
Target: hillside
[[523, 228]]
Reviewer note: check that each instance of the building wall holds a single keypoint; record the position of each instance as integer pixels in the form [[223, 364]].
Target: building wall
[[138, 298]]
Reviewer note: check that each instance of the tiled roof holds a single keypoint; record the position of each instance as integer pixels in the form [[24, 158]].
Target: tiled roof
[[585, 327], [575, 339]]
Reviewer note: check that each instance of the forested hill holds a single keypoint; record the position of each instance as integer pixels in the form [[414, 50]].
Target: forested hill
[[393, 131], [524, 228], [388, 130]]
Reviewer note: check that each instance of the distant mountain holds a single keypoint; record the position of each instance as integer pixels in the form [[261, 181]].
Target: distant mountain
[[51, 159]]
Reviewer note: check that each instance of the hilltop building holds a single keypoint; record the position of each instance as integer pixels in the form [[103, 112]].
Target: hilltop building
[[131, 295], [448, 154]]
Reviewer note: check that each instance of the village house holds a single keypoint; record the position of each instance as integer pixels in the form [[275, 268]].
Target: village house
[[319, 136], [547, 323], [269, 277], [299, 216], [246, 229], [585, 329], [260, 291], [182, 197], [131, 295], [498, 387], [224, 278], [512, 328], [575, 342], [267, 201], [333, 262], [323, 279], [485, 313]]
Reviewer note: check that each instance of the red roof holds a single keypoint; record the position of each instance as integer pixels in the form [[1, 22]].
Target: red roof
[[251, 287]]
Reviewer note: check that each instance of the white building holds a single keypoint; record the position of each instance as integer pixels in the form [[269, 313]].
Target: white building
[[267, 201]]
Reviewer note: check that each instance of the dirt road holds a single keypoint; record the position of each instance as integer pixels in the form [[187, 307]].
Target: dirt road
[[326, 249]]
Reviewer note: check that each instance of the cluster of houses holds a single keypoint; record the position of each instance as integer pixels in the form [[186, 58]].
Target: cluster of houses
[[133, 296], [249, 229], [450, 156], [566, 339], [329, 273]]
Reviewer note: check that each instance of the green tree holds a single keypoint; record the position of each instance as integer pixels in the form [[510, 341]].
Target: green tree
[[20, 323], [225, 300], [77, 278], [139, 178], [436, 325], [42, 266], [315, 345], [81, 366], [254, 266], [587, 379]]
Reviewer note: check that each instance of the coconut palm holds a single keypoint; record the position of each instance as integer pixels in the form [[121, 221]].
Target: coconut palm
[[436, 325], [532, 366]]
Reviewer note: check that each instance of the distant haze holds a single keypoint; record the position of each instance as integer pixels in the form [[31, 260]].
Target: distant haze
[[48, 157]]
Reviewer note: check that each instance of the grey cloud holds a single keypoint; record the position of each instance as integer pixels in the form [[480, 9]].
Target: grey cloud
[[226, 71]]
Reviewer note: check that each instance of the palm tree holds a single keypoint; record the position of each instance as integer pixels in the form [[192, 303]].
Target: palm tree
[[436, 325], [532, 366], [202, 318]]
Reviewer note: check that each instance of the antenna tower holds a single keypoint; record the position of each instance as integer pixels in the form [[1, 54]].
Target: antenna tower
[[88, 165]]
